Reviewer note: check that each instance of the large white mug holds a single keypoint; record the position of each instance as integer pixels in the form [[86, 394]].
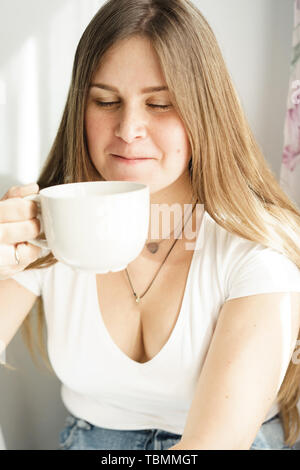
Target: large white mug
[[96, 226]]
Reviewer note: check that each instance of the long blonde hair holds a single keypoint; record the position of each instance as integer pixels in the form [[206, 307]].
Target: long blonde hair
[[228, 171]]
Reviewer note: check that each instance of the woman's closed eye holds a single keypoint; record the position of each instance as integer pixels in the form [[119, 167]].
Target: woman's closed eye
[[107, 104]]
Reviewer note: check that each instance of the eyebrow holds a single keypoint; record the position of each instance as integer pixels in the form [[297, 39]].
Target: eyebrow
[[150, 89]]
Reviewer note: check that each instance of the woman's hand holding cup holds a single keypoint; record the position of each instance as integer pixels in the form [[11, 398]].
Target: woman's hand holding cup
[[94, 226], [18, 223]]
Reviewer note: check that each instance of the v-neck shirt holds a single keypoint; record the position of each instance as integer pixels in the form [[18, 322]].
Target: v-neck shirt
[[100, 383]]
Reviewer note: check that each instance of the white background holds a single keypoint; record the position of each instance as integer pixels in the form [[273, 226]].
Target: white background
[[37, 47]]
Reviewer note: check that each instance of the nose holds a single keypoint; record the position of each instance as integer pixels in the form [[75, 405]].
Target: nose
[[131, 125]]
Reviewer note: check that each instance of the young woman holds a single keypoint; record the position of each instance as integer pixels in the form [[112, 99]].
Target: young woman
[[207, 357]]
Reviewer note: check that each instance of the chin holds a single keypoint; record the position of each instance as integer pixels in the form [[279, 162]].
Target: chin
[[124, 178]]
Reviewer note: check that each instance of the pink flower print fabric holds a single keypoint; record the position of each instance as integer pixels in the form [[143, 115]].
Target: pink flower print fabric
[[290, 168]]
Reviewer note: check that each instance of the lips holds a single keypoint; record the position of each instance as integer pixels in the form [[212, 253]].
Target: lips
[[130, 161], [131, 158]]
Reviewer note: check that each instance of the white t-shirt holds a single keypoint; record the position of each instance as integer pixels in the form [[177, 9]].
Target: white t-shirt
[[102, 385]]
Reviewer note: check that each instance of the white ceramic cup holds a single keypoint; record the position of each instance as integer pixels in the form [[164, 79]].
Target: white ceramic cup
[[96, 226]]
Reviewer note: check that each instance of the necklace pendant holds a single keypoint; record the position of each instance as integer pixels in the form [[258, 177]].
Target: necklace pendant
[[152, 247], [137, 299]]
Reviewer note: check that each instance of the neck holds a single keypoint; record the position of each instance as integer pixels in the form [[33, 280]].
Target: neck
[[167, 209]]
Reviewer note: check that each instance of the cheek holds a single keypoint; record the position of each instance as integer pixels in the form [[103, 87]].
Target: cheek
[[90, 126], [174, 140], [95, 129]]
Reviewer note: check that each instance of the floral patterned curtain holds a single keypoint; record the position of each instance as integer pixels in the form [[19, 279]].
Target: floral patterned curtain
[[290, 168]]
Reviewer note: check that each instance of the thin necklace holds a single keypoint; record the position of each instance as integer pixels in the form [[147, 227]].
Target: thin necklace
[[139, 297], [153, 247]]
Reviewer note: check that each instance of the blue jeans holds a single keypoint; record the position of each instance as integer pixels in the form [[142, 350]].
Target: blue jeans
[[82, 435]]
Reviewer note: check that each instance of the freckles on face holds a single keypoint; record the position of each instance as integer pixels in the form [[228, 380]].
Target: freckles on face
[[173, 140], [134, 124], [166, 137]]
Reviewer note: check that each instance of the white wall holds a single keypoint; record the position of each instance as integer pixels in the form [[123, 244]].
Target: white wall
[[37, 47]]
